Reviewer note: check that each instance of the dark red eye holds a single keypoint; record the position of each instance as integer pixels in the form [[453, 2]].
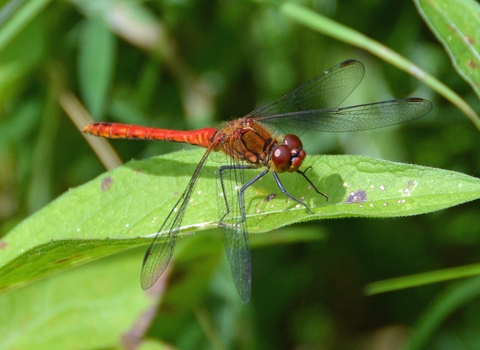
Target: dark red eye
[[298, 160], [292, 141], [281, 158]]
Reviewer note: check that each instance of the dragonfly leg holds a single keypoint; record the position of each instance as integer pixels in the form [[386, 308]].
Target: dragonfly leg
[[310, 182], [220, 174], [241, 197], [241, 193], [284, 191]]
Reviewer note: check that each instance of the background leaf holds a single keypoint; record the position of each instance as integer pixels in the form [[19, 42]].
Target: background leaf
[[96, 64], [455, 24]]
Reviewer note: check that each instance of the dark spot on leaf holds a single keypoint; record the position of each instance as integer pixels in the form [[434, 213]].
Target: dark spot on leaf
[[357, 197], [72, 258], [471, 64], [270, 197], [107, 183], [60, 261], [3, 245], [411, 185], [470, 40]]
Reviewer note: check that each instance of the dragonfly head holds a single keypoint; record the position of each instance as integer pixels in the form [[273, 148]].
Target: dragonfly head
[[289, 155]]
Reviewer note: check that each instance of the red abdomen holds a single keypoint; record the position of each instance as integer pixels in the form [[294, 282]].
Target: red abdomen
[[201, 137]]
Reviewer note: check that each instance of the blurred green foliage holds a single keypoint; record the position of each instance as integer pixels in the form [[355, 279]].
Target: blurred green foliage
[[185, 64]]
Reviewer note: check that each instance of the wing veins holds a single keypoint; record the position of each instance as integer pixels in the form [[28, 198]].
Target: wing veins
[[160, 251]]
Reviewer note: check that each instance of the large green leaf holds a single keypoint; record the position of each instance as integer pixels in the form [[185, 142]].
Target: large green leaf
[[95, 306], [123, 208], [455, 23]]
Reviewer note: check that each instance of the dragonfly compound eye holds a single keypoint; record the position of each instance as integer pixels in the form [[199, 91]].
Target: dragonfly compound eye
[[297, 160], [292, 141], [297, 154], [286, 158], [281, 158]]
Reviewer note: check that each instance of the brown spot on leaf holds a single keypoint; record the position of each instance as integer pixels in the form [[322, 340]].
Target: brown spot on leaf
[[357, 197], [107, 183], [471, 64], [71, 258], [270, 197], [3, 245], [61, 261]]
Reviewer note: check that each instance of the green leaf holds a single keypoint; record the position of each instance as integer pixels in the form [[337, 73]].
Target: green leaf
[[455, 23], [124, 208], [422, 279], [95, 64], [22, 17], [86, 308], [445, 304]]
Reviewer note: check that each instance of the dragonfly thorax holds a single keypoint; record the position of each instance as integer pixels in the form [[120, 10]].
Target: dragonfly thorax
[[289, 155], [247, 141]]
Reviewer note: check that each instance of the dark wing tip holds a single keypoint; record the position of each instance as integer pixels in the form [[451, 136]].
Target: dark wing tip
[[426, 105], [349, 63], [418, 100]]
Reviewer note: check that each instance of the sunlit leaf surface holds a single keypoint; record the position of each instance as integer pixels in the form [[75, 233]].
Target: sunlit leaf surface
[[123, 208]]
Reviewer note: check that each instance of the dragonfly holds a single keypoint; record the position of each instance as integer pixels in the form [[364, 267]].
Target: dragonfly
[[255, 141]]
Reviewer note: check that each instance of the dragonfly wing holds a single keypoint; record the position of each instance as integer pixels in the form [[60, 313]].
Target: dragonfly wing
[[233, 226], [237, 248], [161, 249], [355, 118], [328, 90]]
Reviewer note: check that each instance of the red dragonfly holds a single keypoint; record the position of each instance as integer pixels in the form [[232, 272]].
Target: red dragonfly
[[250, 144]]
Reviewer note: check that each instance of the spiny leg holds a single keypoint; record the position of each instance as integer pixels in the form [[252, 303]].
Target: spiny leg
[[284, 191], [310, 182], [241, 197]]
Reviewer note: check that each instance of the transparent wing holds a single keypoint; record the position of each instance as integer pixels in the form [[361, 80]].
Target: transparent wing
[[355, 118], [327, 90], [161, 249], [234, 227], [237, 248]]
